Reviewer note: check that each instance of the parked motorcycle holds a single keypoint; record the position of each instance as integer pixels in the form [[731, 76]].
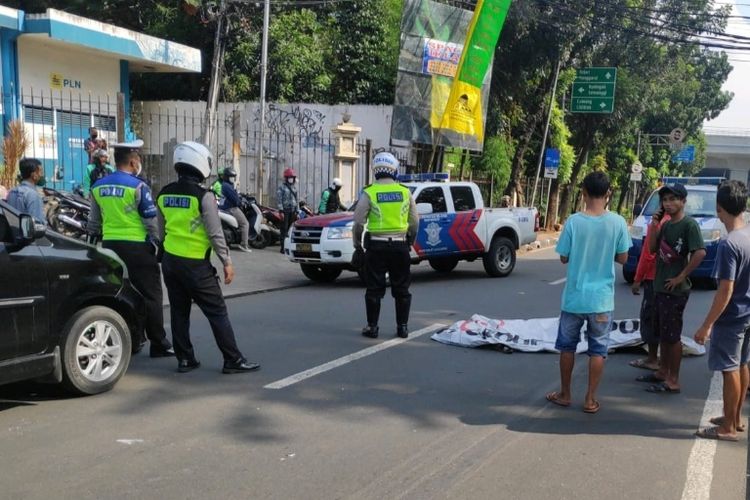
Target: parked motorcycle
[[261, 233], [304, 210], [67, 213]]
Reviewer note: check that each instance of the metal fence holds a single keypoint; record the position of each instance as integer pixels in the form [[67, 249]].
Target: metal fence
[[235, 140]]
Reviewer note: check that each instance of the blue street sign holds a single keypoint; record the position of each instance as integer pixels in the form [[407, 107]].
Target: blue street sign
[[687, 154], [552, 157]]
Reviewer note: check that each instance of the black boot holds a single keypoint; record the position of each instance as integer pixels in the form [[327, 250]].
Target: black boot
[[403, 305], [372, 306], [371, 331]]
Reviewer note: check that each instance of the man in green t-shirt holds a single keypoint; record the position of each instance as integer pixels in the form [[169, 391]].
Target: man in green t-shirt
[[679, 249]]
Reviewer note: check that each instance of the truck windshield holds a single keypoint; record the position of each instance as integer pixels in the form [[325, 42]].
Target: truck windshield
[[699, 204]]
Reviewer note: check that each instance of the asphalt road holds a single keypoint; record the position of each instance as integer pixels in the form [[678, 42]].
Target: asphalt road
[[415, 420]]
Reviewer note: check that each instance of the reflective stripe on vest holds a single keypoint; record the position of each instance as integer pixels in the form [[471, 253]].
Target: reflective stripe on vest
[[389, 208], [185, 233], [121, 220]]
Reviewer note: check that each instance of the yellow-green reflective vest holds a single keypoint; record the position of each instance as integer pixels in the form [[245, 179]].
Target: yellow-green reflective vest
[[389, 208], [185, 234], [121, 220]]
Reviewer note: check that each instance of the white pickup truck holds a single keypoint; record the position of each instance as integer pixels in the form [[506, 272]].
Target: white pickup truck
[[454, 225]]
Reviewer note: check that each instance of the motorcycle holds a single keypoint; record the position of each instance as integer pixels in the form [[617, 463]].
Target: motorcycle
[[261, 233], [67, 213], [304, 210]]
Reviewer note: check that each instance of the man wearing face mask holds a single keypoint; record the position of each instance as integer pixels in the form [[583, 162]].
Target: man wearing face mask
[[330, 203], [25, 197], [286, 200], [124, 214]]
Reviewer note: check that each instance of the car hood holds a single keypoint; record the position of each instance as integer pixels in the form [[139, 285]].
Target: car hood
[[329, 220]]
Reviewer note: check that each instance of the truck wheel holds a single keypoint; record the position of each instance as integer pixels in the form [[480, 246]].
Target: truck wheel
[[500, 260], [320, 274], [444, 265], [95, 350], [259, 242], [628, 275]]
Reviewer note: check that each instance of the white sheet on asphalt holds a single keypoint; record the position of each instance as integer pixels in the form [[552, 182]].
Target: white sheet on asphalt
[[539, 334]]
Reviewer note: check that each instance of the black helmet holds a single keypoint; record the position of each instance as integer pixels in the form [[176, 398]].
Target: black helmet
[[229, 173]]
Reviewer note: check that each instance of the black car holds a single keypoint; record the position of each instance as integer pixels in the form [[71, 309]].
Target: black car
[[67, 309]]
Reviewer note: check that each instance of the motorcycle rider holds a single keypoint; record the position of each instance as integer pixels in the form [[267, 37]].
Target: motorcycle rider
[[392, 223], [124, 215], [330, 202], [191, 228], [231, 202], [286, 200], [98, 169]]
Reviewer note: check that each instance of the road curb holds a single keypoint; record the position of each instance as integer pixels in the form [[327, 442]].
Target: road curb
[[540, 244]]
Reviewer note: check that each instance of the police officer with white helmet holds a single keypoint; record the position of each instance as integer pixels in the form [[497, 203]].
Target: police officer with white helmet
[[191, 225], [392, 222]]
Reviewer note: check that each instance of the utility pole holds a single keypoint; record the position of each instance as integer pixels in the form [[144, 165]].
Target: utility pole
[[546, 130], [217, 65], [263, 72]]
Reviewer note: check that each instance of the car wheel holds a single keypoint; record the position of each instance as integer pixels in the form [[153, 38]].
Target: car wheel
[[259, 242], [95, 350], [628, 275], [321, 274], [444, 265], [500, 260]]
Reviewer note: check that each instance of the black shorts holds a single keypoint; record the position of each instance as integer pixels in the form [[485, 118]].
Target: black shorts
[[668, 317]]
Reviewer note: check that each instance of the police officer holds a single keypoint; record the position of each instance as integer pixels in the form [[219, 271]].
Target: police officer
[[124, 215], [192, 228], [392, 222]]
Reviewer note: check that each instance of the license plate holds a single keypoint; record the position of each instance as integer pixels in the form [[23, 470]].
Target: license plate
[[304, 247]]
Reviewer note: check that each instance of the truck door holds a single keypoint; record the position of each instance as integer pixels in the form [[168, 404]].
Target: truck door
[[23, 284], [463, 229], [433, 238]]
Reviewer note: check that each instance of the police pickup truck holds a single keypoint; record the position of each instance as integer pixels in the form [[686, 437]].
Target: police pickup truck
[[454, 225], [700, 205]]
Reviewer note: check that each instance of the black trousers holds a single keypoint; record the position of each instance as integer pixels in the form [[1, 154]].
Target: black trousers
[[286, 224], [390, 257], [143, 269], [191, 280]]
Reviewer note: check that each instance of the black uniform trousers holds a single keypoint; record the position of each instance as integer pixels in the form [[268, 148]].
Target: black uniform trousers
[[143, 270], [391, 257], [196, 280]]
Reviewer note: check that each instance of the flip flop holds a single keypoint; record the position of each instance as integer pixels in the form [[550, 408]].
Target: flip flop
[[592, 409], [650, 378], [719, 421], [641, 363], [713, 433], [553, 397], [662, 389]]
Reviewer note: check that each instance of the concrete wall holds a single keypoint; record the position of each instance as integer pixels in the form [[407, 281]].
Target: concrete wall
[[730, 150]]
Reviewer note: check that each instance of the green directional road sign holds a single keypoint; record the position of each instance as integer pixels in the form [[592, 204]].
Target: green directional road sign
[[594, 90]]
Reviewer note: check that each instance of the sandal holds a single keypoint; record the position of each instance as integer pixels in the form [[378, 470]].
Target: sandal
[[554, 397], [642, 363], [719, 421], [662, 388], [592, 409], [713, 433], [650, 378]]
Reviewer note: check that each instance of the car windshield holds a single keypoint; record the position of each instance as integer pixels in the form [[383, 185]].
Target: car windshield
[[699, 204]]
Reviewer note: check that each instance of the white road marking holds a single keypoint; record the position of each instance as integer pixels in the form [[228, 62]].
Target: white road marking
[[557, 282], [700, 469], [299, 377]]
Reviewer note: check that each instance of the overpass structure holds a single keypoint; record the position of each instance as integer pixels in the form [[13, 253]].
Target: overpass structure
[[728, 153]]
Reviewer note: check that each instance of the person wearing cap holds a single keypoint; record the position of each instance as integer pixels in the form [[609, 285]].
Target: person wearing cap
[[191, 229], [286, 201], [330, 202], [98, 169], [679, 248], [392, 222], [123, 214]]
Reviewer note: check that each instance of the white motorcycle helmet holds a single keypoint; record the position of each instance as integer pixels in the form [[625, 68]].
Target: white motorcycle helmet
[[193, 154], [336, 183], [385, 165]]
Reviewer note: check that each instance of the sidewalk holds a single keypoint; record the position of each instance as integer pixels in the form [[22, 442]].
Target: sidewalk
[[267, 270]]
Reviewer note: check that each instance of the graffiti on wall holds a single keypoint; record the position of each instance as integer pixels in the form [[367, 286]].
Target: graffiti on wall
[[297, 122]]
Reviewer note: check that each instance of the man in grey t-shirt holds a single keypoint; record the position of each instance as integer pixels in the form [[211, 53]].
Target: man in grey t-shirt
[[729, 317]]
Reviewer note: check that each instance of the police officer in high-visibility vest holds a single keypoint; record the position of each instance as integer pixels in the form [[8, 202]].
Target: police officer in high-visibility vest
[[192, 228], [124, 216], [392, 222]]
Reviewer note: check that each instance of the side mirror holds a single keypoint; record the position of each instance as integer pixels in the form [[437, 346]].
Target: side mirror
[[26, 226], [637, 209], [424, 208]]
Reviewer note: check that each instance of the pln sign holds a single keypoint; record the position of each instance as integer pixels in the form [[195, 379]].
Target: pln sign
[[58, 82]]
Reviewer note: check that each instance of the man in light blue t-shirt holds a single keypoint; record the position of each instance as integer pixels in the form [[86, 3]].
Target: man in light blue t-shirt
[[590, 244]]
